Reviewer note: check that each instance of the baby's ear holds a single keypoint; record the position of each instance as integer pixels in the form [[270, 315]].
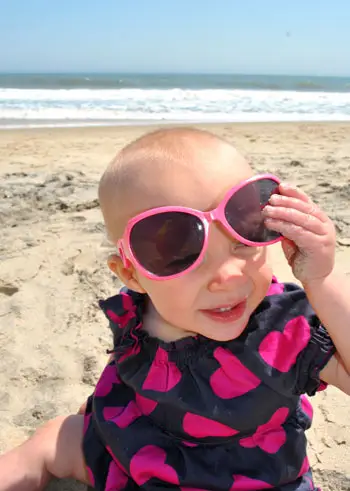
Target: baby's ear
[[125, 272]]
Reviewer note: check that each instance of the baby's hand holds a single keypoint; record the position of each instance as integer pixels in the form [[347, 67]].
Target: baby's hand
[[309, 235]]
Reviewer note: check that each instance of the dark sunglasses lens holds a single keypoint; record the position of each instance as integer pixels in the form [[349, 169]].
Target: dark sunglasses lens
[[243, 211], [167, 243]]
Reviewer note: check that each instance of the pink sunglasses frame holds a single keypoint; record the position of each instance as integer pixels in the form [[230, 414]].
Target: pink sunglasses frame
[[206, 217]]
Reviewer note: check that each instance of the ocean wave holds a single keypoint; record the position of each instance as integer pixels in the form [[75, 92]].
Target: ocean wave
[[166, 81], [309, 85], [171, 105]]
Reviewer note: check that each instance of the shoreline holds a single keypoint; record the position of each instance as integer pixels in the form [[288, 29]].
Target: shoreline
[[146, 126], [37, 125]]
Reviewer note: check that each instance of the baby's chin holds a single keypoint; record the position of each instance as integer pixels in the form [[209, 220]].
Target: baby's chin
[[226, 332]]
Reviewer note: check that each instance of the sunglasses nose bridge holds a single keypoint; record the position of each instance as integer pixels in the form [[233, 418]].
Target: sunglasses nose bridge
[[214, 216]]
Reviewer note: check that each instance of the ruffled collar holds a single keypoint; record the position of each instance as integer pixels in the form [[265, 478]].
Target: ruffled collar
[[125, 313]]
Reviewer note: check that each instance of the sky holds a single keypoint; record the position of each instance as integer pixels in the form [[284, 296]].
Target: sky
[[310, 37]]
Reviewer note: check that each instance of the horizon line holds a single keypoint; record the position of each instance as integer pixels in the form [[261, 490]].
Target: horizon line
[[199, 73]]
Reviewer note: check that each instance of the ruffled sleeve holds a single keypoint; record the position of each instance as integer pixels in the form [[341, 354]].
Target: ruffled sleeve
[[318, 350], [124, 312], [312, 360], [291, 344]]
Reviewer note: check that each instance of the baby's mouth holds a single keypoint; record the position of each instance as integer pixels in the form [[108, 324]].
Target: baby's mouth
[[227, 313]]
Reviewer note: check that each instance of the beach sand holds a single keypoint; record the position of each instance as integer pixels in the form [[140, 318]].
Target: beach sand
[[53, 338]]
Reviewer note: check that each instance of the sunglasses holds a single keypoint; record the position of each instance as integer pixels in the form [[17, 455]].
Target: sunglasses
[[169, 241]]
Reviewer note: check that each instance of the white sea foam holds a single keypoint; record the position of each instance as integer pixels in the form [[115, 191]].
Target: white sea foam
[[84, 106]]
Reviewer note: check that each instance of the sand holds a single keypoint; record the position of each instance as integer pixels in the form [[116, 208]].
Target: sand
[[53, 338]]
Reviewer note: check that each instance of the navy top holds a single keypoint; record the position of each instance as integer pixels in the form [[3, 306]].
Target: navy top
[[198, 414]]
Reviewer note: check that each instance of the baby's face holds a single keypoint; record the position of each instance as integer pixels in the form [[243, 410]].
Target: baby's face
[[217, 298]]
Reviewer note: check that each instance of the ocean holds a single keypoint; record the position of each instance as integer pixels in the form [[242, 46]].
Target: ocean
[[35, 100]]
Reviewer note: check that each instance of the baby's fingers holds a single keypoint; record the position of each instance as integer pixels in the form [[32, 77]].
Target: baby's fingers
[[293, 192], [306, 207], [293, 217], [304, 239]]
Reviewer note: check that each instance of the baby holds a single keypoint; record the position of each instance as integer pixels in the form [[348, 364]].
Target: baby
[[212, 356]]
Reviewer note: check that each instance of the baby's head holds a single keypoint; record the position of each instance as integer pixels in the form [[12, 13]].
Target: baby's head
[[196, 282]]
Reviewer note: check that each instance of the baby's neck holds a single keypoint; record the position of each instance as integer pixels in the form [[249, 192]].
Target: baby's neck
[[159, 328]]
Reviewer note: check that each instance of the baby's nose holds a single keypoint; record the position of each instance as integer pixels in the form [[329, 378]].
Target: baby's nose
[[227, 275], [226, 266]]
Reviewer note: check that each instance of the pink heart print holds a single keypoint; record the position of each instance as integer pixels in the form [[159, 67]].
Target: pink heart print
[[116, 478], [146, 405], [243, 483], [121, 320], [281, 349], [305, 467], [129, 312], [150, 462], [306, 406], [275, 288], [201, 427], [90, 476], [232, 379], [163, 374], [124, 416], [270, 436], [108, 378]]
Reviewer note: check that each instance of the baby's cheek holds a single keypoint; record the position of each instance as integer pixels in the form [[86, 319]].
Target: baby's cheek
[[267, 279], [180, 305], [172, 298], [262, 278]]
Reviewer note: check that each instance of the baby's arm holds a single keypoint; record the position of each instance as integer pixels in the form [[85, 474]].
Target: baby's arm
[[55, 450], [309, 246], [330, 299]]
